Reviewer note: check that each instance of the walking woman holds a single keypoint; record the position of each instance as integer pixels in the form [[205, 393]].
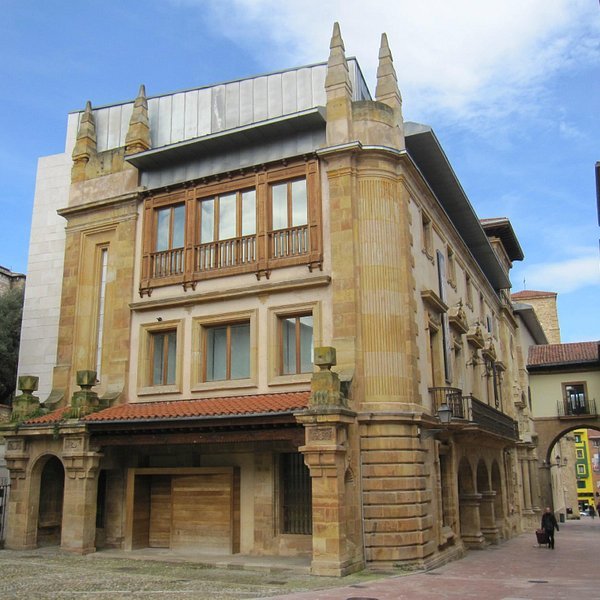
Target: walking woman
[[549, 524]]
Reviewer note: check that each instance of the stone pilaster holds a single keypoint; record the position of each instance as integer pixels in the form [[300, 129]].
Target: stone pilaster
[[81, 488], [327, 456], [21, 519]]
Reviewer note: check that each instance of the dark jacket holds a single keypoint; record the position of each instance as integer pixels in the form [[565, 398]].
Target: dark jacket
[[549, 522]]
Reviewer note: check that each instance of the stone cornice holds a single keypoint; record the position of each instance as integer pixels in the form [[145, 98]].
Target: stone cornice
[[252, 290]]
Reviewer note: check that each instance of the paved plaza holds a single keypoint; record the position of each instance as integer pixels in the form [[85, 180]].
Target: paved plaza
[[515, 570]]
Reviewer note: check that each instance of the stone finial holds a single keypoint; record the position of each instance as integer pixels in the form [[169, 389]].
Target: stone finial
[[325, 384], [138, 134], [26, 405], [85, 401], [339, 92], [387, 90], [85, 145], [337, 66]]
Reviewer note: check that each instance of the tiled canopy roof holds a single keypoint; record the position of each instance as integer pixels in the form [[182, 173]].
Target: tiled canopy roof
[[235, 406], [526, 294], [560, 354]]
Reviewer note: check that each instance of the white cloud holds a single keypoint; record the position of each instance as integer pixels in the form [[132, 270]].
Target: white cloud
[[466, 58], [564, 276]]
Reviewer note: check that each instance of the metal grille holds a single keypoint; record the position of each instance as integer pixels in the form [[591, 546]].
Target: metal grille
[[296, 495], [4, 488]]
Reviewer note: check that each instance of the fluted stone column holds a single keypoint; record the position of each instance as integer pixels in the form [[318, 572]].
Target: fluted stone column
[[524, 464]]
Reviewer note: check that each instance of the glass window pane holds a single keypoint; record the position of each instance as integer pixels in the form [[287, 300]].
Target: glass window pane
[[172, 357], [227, 217], [306, 344], [162, 229], [157, 358], [178, 226], [240, 351], [299, 203], [207, 228], [279, 212], [216, 353], [249, 212], [288, 346]]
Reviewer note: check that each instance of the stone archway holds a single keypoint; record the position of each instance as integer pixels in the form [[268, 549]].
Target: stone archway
[[550, 431], [486, 507], [469, 501], [50, 500]]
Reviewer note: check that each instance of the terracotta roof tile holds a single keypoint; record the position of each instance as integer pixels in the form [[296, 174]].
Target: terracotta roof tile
[[560, 354], [212, 407], [526, 294], [53, 417]]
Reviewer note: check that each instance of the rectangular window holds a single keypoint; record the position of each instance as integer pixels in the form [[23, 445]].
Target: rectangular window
[[228, 216], [427, 235], [163, 353], [451, 267], [446, 339], [227, 351], [580, 469], [170, 228], [296, 344], [579, 453], [289, 204], [296, 495], [101, 308], [575, 398]]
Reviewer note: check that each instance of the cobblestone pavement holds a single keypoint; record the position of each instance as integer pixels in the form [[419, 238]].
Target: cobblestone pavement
[[515, 570]]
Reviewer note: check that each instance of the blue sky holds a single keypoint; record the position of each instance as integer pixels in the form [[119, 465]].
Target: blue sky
[[511, 89]]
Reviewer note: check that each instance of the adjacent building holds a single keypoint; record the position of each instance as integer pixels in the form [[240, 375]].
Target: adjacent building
[[274, 326]]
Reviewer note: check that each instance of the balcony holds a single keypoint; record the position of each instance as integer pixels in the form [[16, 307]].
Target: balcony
[[576, 409], [490, 419], [472, 411], [448, 395]]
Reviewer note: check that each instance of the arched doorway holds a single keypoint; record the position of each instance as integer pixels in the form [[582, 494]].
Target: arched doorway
[[50, 507]]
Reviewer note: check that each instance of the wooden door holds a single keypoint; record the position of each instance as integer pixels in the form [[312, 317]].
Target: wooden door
[[202, 512]]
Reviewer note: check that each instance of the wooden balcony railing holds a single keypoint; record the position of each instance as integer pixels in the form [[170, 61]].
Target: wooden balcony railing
[[587, 408], [221, 254], [167, 263], [292, 241], [451, 396]]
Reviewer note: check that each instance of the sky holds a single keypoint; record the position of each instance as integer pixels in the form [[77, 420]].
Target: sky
[[511, 88]]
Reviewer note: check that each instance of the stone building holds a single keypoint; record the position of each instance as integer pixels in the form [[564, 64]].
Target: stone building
[[10, 280], [221, 241]]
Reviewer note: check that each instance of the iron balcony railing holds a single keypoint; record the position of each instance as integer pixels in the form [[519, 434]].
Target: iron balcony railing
[[585, 408], [448, 395], [472, 410], [490, 419]]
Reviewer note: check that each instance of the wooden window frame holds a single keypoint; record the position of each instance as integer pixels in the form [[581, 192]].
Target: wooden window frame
[[228, 351], [200, 327], [260, 259], [145, 383], [297, 330], [166, 336]]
